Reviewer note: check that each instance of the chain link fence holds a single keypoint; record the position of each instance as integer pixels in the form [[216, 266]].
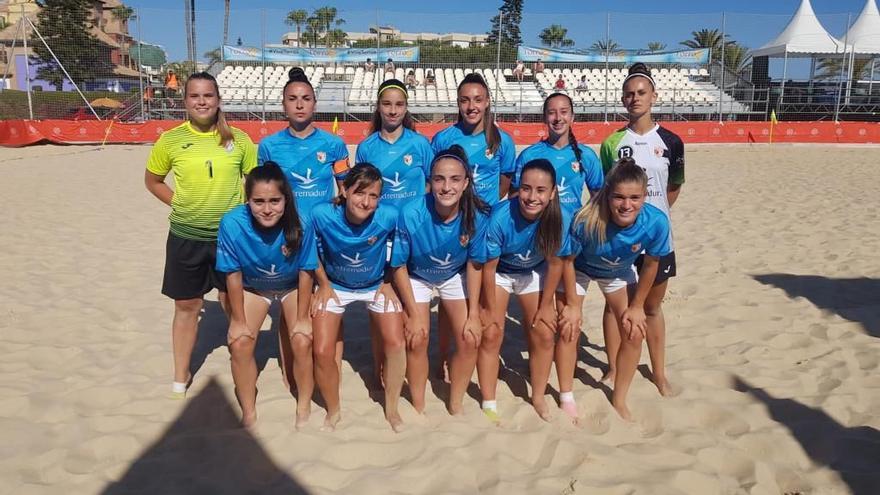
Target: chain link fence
[[133, 64]]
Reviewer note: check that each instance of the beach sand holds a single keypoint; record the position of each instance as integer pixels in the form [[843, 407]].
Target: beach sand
[[773, 328]]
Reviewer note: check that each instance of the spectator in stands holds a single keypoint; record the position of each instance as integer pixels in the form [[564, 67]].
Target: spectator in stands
[[171, 84], [519, 71], [430, 80], [389, 66], [411, 82], [582, 85], [369, 66], [538, 67], [560, 83], [149, 94]]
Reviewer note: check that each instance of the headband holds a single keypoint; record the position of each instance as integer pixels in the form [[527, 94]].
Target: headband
[[639, 74], [405, 94], [448, 155]]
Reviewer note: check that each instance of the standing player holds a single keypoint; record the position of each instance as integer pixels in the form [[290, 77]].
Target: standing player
[[440, 244], [526, 239], [352, 234], [263, 247], [310, 157], [491, 155], [395, 148], [661, 154], [577, 169], [610, 232], [207, 158]]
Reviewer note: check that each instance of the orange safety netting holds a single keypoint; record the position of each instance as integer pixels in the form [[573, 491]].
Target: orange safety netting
[[25, 132]]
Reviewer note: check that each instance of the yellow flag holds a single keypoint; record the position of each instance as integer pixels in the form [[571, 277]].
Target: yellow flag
[[335, 127], [773, 117]]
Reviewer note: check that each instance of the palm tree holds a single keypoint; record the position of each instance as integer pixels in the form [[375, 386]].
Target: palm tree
[[313, 29], [555, 36], [213, 56], [123, 14], [336, 37], [735, 56], [603, 45], [225, 22], [829, 68], [656, 46], [297, 18], [707, 38]]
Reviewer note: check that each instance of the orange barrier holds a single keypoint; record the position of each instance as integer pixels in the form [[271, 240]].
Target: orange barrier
[[26, 132]]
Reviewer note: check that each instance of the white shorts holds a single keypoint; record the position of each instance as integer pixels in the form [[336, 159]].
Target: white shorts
[[520, 283], [606, 285], [452, 289], [347, 297]]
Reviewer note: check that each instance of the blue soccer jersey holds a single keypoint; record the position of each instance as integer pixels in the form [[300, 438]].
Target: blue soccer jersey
[[432, 250], [405, 165], [311, 164], [487, 167], [614, 257], [259, 253], [353, 255], [512, 239], [571, 175]]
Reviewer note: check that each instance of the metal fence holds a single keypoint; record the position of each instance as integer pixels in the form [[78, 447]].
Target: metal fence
[[132, 86]]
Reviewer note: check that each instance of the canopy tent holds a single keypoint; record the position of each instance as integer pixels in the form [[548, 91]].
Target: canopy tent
[[804, 36], [864, 34]]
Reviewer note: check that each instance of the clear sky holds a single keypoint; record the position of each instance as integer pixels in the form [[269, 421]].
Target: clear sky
[[632, 24]]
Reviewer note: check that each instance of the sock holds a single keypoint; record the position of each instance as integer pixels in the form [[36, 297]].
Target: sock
[[566, 397], [178, 387], [490, 405]]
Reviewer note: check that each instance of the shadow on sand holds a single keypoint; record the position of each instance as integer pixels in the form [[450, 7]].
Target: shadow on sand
[[856, 299], [854, 452], [205, 451]]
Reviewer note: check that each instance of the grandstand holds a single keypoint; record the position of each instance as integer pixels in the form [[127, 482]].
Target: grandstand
[[348, 89]]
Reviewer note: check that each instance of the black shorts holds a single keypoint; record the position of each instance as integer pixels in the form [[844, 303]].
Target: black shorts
[[666, 269], [189, 268]]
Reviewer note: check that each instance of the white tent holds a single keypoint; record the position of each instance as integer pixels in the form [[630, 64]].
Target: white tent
[[804, 36], [864, 35]]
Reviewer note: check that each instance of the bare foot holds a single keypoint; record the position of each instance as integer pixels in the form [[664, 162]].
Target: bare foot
[[541, 408], [248, 420], [395, 421], [664, 387], [455, 409], [571, 410], [608, 378], [331, 420], [623, 412], [302, 418]]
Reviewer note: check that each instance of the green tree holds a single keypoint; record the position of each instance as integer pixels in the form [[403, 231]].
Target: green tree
[[603, 45], [314, 26], [511, 11], [327, 17], [124, 14], [66, 26], [555, 36], [656, 46], [735, 56], [707, 38], [297, 18], [829, 68], [213, 56]]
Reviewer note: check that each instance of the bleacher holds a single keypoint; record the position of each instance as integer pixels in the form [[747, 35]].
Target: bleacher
[[684, 90]]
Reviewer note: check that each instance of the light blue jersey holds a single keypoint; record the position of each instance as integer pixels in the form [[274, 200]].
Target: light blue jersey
[[258, 253], [432, 250], [571, 175], [614, 257], [405, 165], [511, 238], [487, 167], [311, 164], [353, 255]]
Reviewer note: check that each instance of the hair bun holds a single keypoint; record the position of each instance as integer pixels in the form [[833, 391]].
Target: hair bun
[[639, 68], [297, 74]]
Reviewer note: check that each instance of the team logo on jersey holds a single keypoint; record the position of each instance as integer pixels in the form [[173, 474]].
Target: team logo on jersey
[[637, 247], [524, 258], [443, 264], [464, 239], [396, 184], [230, 146], [270, 273], [625, 152], [372, 240], [616, 262], [407, 160], [489, 154], [658, 151], [307, 181], [355, 262], [576, 166], [321, 156]]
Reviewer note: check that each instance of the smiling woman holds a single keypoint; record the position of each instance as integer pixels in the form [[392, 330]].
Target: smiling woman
[[208, 159]]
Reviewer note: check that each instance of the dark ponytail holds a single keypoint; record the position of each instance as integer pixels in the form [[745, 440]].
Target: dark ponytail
[[572, 141], [493, 135], [271, 172], [470, 203], [360, 176], [639, 69], [297, 75], [549, 236]]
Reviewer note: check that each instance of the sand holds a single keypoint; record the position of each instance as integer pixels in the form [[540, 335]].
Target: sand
[[774, 344]]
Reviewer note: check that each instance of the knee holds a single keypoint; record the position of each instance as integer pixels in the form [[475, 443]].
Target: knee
[[654, 309], [188, 306], [634, 342], [492, 338], [542, 338], [393, 343], [325, 355], [302, 345], [242, 348]]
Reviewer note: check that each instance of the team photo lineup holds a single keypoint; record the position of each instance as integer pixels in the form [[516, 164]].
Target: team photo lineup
[[460, 217]]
